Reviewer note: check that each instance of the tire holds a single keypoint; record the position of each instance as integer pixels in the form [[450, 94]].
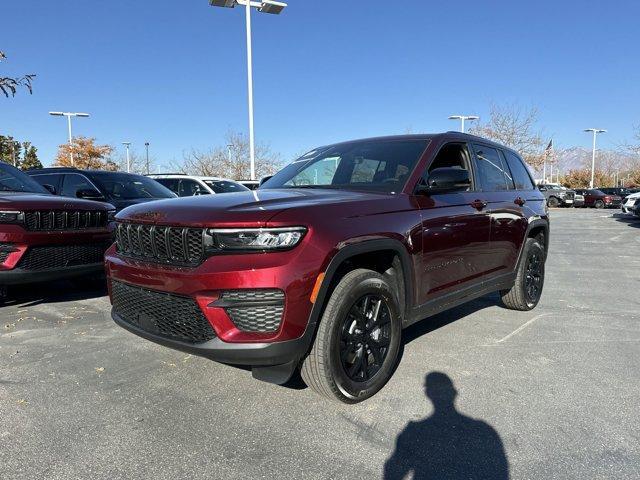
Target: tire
[[332, 368], [553, 202], [522, 296], [599, 204]]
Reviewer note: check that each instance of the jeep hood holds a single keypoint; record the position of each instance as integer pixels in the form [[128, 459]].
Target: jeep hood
[[248, 209], [35, 201]]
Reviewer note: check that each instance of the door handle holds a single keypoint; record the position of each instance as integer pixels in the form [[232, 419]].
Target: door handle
[[520, 201], [478, 204]]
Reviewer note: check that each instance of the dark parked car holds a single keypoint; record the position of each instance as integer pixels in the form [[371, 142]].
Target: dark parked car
[[323, 266], [619, 191], [557, 195], [598, 199], [44, 237], [118, 188]]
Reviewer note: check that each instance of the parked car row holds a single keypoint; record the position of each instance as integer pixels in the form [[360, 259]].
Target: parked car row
[[560, 196]]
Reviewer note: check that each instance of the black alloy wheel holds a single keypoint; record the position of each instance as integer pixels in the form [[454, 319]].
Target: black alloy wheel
[[533, 277], [365, 338]]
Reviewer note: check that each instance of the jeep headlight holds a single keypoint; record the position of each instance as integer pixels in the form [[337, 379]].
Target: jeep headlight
[[253, 239], [11, 216]]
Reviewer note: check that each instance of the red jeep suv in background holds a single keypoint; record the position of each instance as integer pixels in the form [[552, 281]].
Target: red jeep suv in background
[[44, 237], [323, 266]]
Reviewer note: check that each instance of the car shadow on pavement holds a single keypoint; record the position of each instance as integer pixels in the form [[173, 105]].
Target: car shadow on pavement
[[55, 292], [632, 221], [447, 444], [421, 328]]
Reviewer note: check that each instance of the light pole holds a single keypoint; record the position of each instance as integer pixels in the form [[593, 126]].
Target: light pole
[[595, 132], [146, 146], [229, 151], [264, 6], [126, 145], [462, 118], [69, 115]]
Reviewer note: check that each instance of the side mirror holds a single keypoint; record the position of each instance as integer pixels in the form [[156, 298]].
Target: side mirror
[[446, 179], [50, 188], [542, 188], [90, 194], [264, 179]]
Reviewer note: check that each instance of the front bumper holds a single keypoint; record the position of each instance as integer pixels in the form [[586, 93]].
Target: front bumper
[[248, 354], [292, 272], [18, 276]]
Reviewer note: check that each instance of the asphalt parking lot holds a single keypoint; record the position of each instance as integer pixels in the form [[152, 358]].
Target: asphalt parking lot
[[551, 393]]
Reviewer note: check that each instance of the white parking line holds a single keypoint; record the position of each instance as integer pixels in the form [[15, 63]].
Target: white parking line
[[522, 327]]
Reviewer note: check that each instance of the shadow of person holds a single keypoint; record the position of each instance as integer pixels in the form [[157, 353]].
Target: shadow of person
[[447, 445]]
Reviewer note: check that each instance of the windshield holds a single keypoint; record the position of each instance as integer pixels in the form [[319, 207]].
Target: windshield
[[13, 180], [383, 165], [225, 186], [125, 186]]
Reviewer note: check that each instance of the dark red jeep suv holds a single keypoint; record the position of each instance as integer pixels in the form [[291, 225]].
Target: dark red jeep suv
[[323, 266], [44, 237]]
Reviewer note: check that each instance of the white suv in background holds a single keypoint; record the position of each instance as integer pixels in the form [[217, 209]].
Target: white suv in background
[[187, 185], [629, 204]]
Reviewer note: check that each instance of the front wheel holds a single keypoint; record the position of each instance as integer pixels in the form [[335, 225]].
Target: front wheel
[[553, 202], [357, 344], [527, 289], [599, 204]]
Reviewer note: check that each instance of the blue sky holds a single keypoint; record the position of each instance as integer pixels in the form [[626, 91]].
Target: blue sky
[[174, 72]]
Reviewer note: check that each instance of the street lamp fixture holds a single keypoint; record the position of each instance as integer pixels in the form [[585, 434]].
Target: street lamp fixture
[[595, 132], [69, 115], [462, 118], [264, 6]]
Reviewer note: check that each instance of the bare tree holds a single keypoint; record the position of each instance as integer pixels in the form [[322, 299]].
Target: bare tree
[[137, 163], [515, 127], [231, 160], [9, 85]]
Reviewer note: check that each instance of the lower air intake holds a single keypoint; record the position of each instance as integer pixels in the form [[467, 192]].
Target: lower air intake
[[159, 313]]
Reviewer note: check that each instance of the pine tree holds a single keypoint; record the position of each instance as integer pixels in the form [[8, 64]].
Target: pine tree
[[10, 150], [30, 159]]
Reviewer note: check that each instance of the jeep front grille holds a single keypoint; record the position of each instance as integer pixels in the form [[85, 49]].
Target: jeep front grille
[[41, 220], [160, 244], [160, 313]]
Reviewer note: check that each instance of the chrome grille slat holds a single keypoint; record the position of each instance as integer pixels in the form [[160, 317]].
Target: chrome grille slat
[[180, 246]]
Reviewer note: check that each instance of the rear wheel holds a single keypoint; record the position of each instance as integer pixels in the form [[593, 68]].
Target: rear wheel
[[599, 204], [527, 289], [358, 340], [553, 202]]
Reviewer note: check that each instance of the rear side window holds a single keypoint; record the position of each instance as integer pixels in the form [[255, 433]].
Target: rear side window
[[225, 186], [519, 172], [171, 183], [74, 182], [52, 179], [492, 171], [189, 188]]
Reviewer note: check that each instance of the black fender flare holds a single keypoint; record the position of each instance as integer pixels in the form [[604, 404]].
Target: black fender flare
[[351, 250], [300, 347], [535, 223]]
